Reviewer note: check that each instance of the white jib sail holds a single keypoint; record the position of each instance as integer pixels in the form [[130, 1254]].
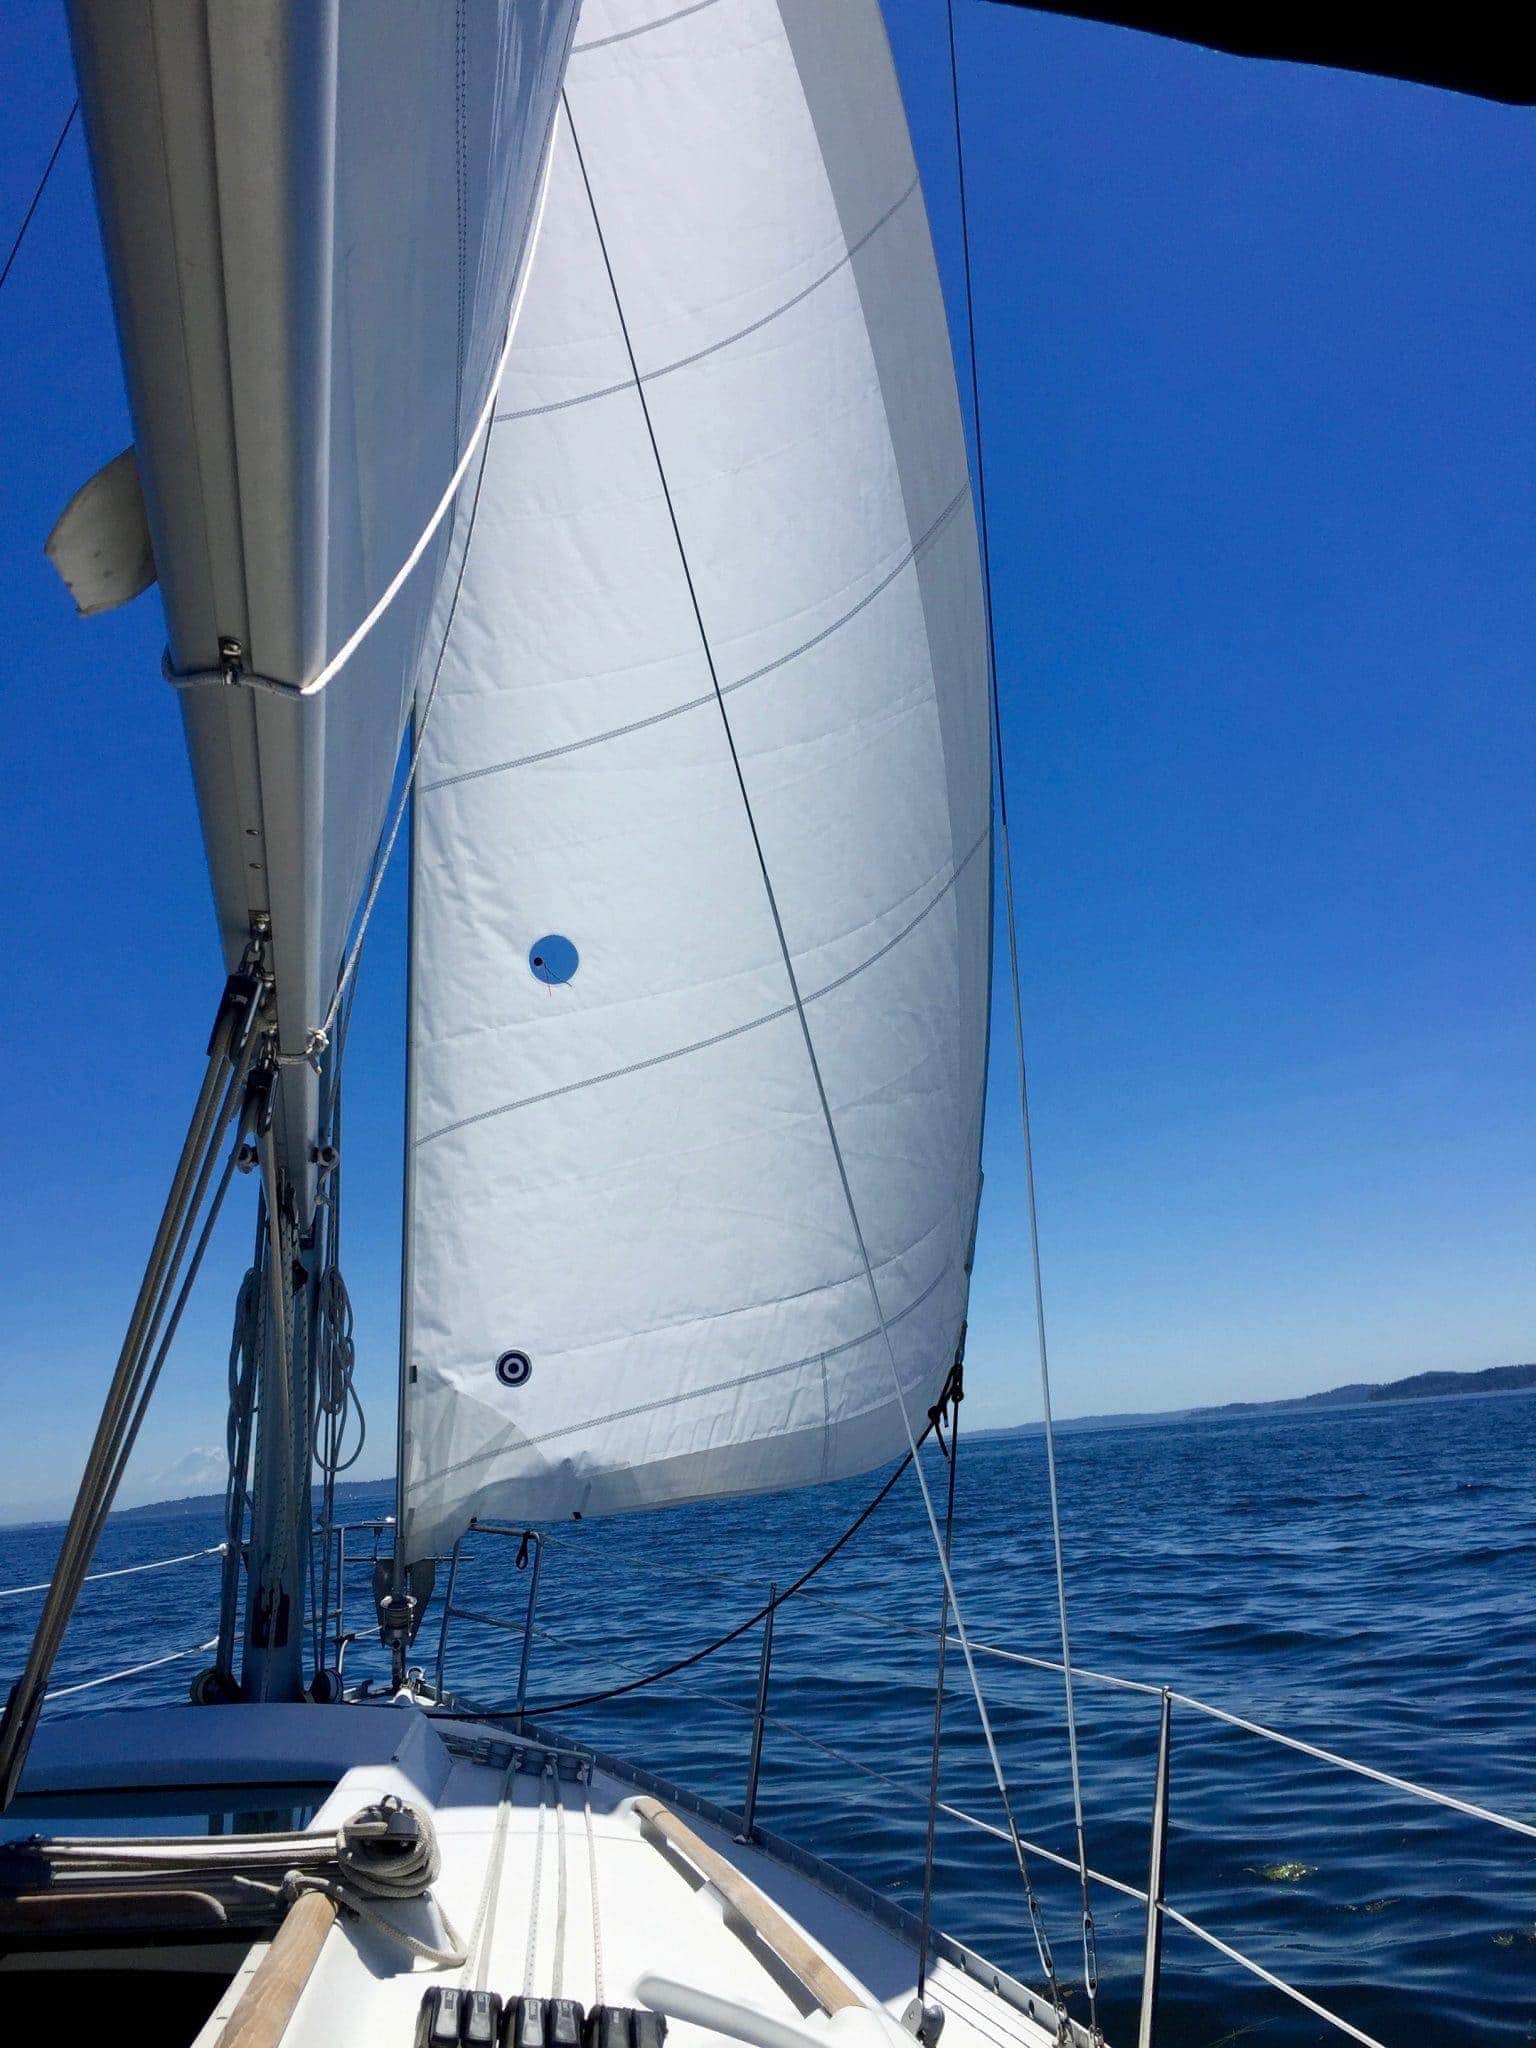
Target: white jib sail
[[633, 1275]]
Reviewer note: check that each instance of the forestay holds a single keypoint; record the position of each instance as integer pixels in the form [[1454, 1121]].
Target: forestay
[[633, 1277]]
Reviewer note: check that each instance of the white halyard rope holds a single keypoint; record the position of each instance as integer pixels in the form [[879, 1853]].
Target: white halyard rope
[[531, 1961], [597, 1912], [481, 433], [483, 1933], [561, 1896], [371, 1866], [191, 679], [366, 1863]]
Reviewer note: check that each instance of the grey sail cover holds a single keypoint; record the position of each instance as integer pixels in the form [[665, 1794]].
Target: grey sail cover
[[633, 1277], [315, 214]]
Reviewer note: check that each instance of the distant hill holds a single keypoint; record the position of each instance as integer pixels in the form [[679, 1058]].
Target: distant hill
[[1418, 1386], [213, 1503]]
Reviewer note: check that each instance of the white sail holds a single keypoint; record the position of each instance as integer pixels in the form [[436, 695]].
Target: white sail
[[634, 1276], [314, 215]]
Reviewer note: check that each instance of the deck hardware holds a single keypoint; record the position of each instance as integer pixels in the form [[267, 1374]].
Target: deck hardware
[[213, 1688], [437, 2022], [522, 2023], [480, 2020], [401, 1608], [565, 2023], [625, 2026], [924, 2020], [530, 1545]]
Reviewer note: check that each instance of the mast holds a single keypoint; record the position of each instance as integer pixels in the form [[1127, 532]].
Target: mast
[[392, 1616], [273, 1666]]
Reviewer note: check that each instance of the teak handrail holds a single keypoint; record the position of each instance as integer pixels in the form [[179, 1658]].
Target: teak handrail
[[267, 2002], [832, 1992]]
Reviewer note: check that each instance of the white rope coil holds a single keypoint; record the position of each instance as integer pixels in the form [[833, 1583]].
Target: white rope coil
[[387, 1852], [384, 1855]]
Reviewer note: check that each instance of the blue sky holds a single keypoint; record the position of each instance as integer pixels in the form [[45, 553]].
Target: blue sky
[[1256, 348]]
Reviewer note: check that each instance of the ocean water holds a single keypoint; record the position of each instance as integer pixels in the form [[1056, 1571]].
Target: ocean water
[[1363, 1578]]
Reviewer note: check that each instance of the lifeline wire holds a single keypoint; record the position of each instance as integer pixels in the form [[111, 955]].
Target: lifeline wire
[[1005, 849], [1042, 1945]]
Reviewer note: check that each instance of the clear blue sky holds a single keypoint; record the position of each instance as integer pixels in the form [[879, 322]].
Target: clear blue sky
[[1256, 347]]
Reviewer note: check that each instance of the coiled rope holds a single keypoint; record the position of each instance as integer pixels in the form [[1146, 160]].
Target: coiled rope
[[388, 1852]]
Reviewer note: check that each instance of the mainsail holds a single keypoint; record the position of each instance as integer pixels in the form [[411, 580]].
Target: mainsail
[[633, 1272], [314, 217]]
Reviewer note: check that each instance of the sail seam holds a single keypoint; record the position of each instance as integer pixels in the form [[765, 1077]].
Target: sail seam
[[698, 703], [767, 1372], [719, 1037], [627, 35], [532, 412]]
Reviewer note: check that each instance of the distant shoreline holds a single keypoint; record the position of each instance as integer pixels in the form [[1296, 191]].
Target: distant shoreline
[[1419, 1386]]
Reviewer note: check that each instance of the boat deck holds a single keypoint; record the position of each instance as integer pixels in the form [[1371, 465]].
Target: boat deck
[[560, 1877]]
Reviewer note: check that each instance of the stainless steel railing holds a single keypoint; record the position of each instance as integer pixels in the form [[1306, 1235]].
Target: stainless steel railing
[[1158, 1909], [334, 1566], [530, 1547]]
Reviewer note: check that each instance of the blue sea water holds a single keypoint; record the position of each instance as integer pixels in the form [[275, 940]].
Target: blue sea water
[[1362, 1578]]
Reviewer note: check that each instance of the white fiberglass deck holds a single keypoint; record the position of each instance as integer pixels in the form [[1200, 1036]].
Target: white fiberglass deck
[[582, 1910]]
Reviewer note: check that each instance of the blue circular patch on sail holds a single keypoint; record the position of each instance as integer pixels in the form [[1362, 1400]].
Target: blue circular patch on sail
[[553, 959]]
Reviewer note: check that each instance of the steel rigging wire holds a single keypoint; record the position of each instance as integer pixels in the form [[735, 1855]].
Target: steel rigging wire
[[36, 200], [1005, 856]]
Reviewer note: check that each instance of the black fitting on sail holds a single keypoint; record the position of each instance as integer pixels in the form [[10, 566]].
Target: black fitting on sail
[[951, 1394]]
